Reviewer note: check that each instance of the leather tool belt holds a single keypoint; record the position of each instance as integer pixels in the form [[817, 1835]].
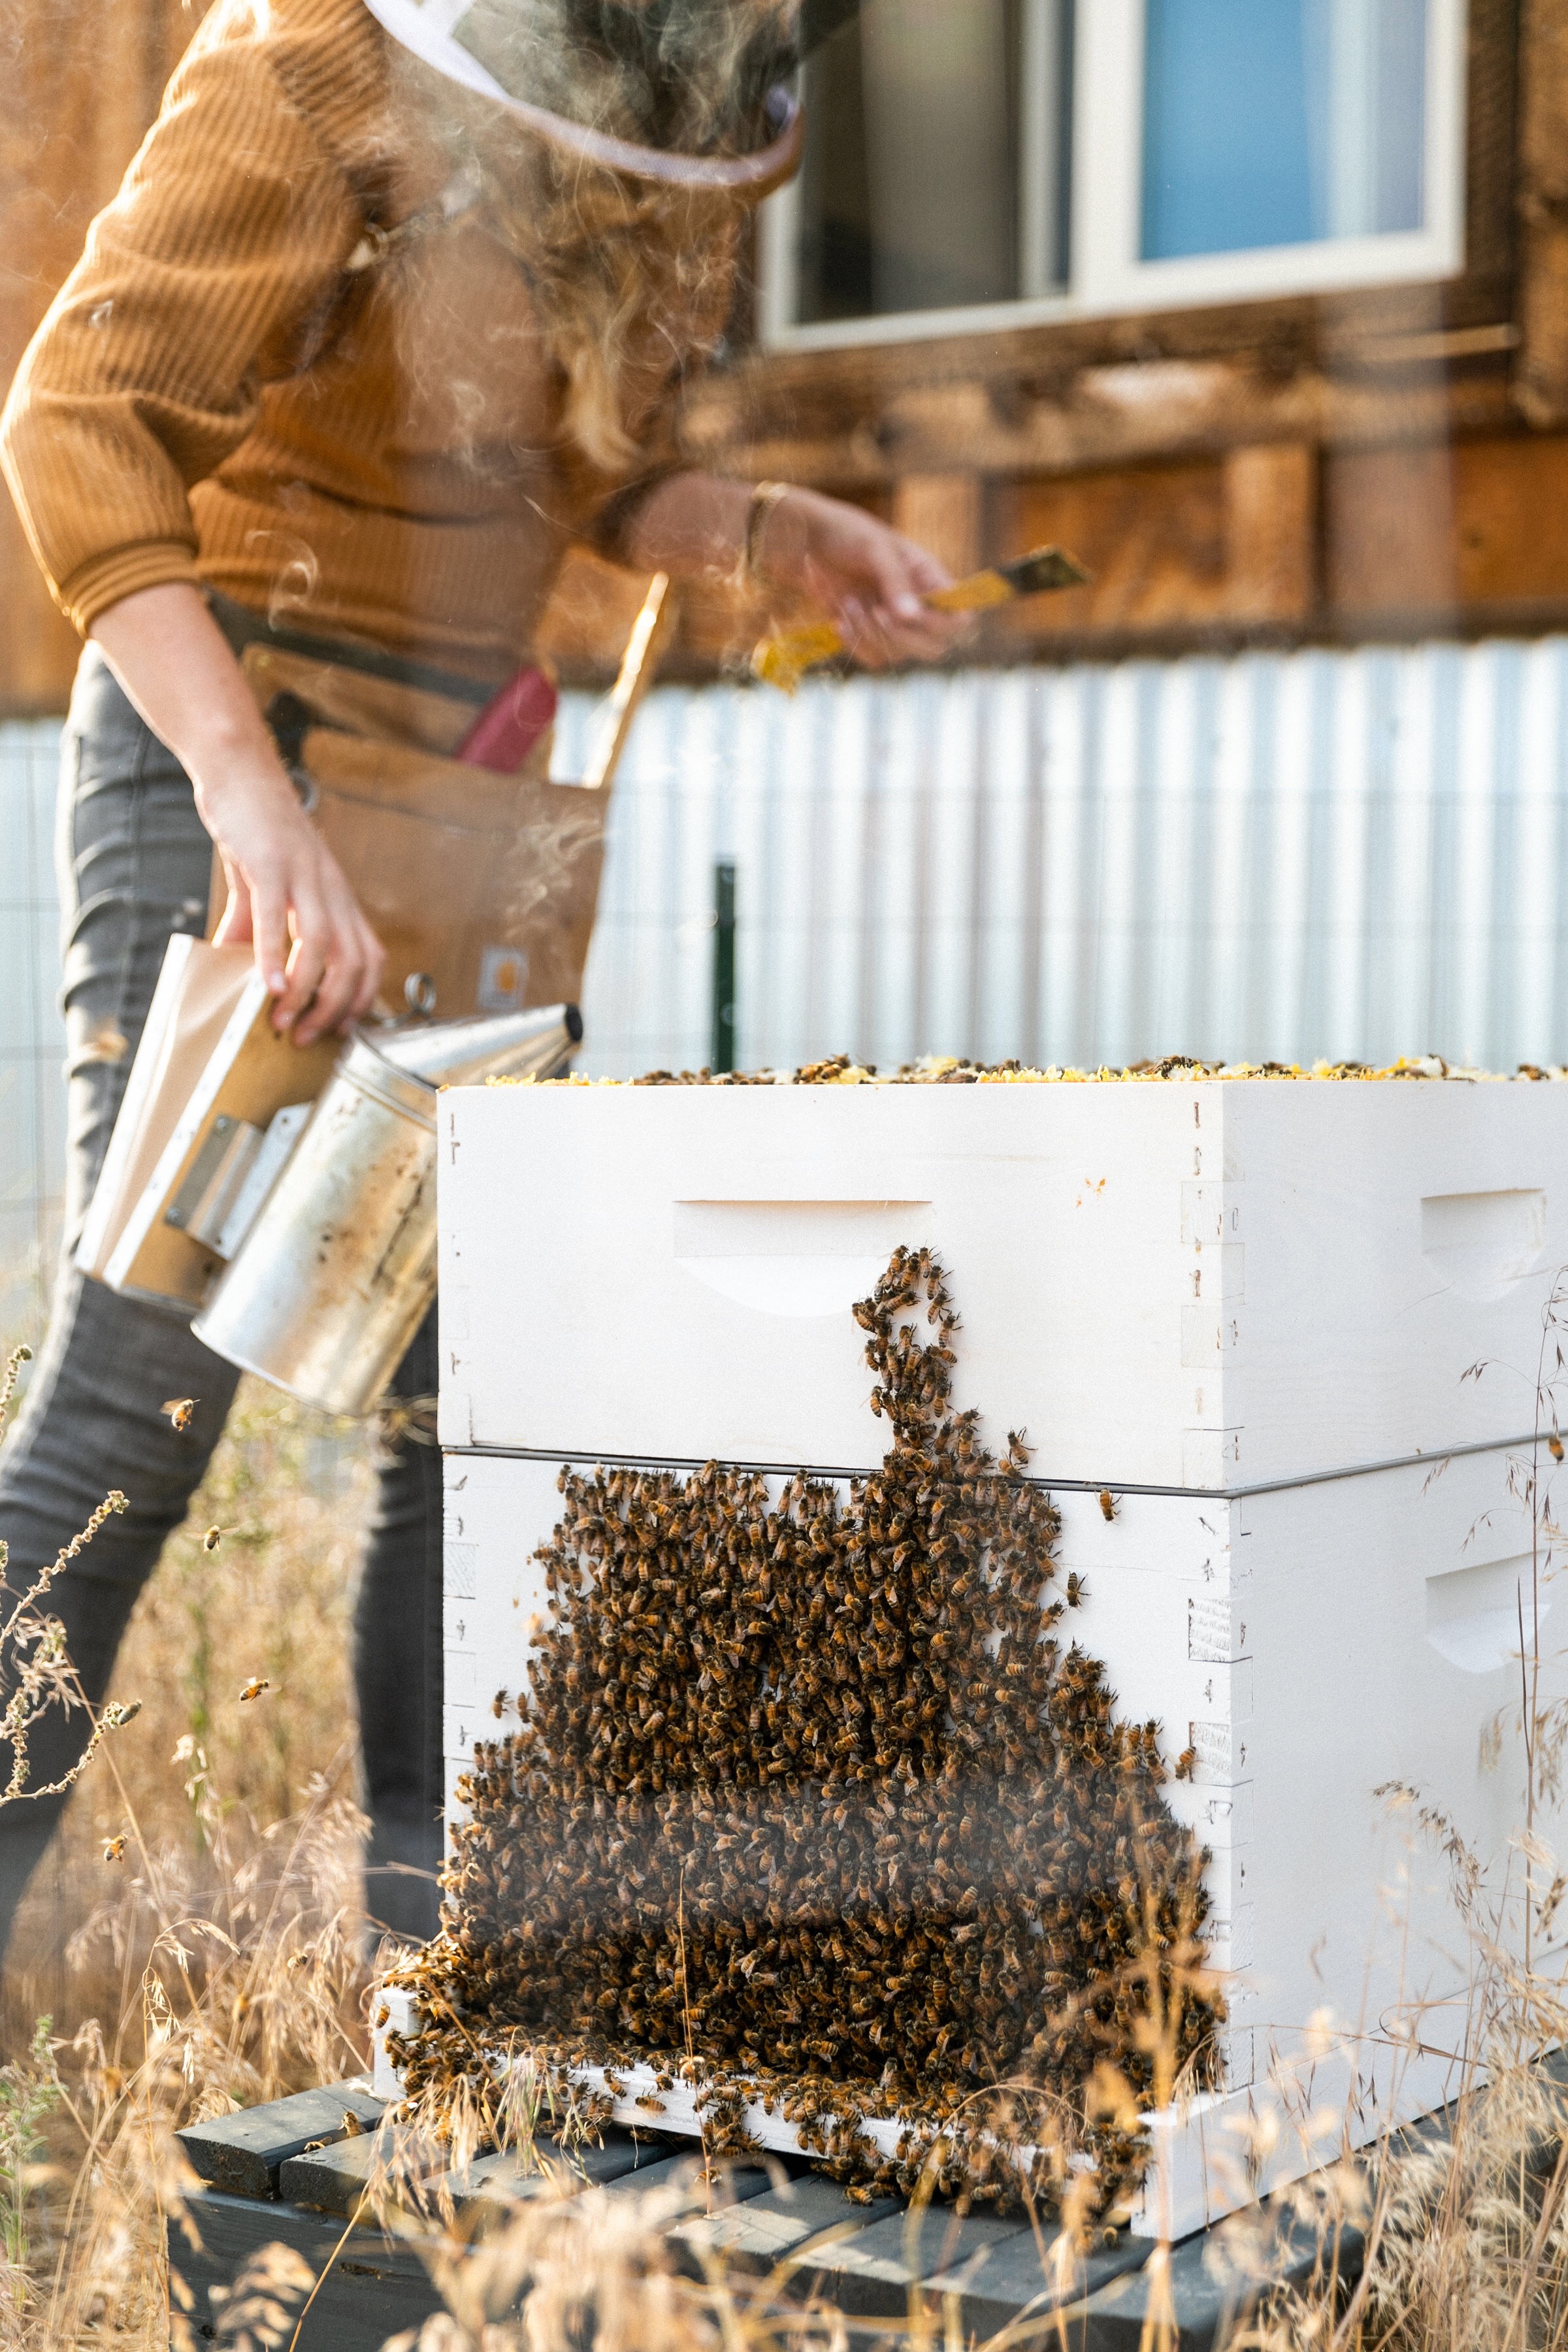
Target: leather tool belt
[[482, 887]]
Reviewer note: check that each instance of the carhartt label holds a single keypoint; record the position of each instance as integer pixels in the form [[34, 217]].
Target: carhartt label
[[459, 1569], [1216, 1631]]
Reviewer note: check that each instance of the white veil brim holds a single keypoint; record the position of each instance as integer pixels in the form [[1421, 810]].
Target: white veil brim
[[424, 29]]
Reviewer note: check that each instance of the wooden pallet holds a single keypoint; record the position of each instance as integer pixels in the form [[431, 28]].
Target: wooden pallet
[[293, 2174]]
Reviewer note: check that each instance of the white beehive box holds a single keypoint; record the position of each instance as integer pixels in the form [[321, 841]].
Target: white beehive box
[[1312, 1643], [1199, 1285]]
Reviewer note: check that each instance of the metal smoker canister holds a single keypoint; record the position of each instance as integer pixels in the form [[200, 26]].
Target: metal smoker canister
[[338, 1271]]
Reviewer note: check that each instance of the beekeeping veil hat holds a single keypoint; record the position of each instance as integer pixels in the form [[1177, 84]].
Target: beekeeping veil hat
[[689, 94]]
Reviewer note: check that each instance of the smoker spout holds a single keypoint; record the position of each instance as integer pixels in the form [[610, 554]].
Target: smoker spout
[[499, 1045]]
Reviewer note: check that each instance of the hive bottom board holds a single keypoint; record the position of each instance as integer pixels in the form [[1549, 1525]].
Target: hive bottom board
[[288, 2176], [1327, 1652]]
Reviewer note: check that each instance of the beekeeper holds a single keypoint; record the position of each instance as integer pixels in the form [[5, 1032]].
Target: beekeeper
[[392, 309]]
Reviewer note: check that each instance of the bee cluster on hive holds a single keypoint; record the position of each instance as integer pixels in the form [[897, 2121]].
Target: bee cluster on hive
[[813, 1802], [938, 1070]]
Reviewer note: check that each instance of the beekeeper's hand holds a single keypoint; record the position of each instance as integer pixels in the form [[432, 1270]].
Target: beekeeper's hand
[[286, 893], [871, 579]]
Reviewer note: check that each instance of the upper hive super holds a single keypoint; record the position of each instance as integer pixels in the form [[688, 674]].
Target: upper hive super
[[1206, 1284]]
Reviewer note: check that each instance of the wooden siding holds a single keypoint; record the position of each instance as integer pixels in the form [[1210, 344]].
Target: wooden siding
[[1388, 461]]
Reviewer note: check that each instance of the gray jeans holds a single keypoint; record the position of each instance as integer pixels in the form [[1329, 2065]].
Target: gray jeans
[[133, 863]]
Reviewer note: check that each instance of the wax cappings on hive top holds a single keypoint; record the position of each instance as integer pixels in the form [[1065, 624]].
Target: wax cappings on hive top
[[842, 1070], [811, 1806]]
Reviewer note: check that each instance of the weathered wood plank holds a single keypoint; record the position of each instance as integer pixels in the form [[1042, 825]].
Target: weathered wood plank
[[1426, 537], [1153, 537], [483, 2191], [1271, 532], [781, 2224], [1212, 2283], [1510, 520], [946, 514], [334, 2179], [1389, 530], [1542, 373], [1025, 2279], [872, 2273], [243, 2153], [1126, 413], [370, 2288], [736, 2185]]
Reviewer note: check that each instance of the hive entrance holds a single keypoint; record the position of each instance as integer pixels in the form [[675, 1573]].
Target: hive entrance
[[814, 1802]]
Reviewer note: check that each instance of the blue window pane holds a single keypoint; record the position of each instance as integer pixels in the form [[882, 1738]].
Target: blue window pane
[[1273, 122]]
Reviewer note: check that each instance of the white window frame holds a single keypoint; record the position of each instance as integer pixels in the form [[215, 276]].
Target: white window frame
[[1109, 277]]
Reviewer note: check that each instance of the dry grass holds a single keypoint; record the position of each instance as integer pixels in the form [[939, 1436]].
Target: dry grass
[[222, 1961]]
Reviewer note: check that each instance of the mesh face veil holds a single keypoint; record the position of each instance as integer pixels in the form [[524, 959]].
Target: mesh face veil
[[680, 93]]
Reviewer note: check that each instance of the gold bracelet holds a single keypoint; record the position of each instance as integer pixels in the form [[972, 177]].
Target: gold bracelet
[[765, 498]]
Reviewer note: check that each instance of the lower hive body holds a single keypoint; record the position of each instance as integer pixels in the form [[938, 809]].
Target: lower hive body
[[1331, 1659]]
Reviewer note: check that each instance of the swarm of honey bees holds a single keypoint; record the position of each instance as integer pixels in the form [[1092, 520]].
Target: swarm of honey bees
[[939, 1070], [813, 1802]]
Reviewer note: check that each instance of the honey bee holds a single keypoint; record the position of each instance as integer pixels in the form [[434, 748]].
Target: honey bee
[[1554, 1445], [1108, 1507], [179, 1410], [211, 1540], [1076, 1591], [499, 1704], [254, 1688], [958, 1835], [1187, 1763], [114, 1849]]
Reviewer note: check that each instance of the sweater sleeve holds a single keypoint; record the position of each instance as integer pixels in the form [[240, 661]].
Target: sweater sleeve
[[198, 282]]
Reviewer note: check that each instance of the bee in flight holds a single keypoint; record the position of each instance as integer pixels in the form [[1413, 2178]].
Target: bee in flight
[[179, 1410], [254, 1688], [114, 1849]]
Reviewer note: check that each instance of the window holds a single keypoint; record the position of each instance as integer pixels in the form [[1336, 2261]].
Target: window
[[983, 162]]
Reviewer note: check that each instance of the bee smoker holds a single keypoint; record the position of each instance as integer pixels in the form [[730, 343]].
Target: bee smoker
[[338, 1270]]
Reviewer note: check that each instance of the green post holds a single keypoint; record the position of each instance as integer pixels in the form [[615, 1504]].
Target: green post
[[724, 968]]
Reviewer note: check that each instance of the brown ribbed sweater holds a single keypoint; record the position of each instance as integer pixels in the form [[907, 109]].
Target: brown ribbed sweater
[[226, 390]]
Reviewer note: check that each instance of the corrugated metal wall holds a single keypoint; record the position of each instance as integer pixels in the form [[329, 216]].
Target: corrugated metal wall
[[1273, 857], [32, 1036]]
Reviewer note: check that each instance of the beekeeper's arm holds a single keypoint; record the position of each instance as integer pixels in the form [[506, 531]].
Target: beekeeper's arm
[[871, 579], [230, 230]]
